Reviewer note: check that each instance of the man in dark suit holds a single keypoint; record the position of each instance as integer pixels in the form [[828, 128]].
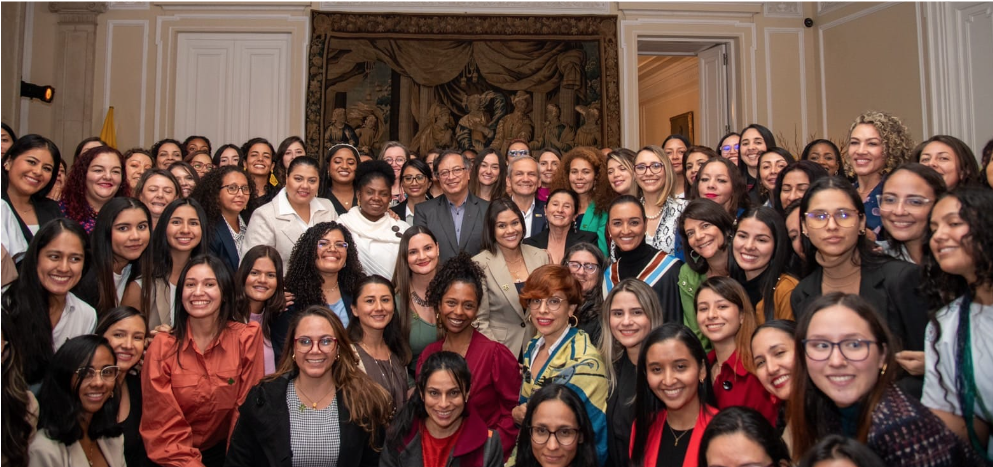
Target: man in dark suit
[[456, 218], [522, 177]]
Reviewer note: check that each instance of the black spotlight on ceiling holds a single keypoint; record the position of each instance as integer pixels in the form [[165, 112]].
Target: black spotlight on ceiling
[[34, 91]]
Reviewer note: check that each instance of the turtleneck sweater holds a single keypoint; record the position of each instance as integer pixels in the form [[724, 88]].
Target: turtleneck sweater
[[630, 264]]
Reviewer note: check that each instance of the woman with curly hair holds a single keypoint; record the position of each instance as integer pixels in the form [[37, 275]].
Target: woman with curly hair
[[877, 143], [259, 291], [323, 270], [166, 152], [377, 235], [579, 171], [318, 408], [950, 157], [456, 292], [291, 148], [180, 237], [224, 194], [489, 175], [95, 177], [958, 387], [29, 174]]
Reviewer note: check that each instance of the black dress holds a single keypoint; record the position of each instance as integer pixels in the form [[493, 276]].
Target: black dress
[[620, 413], [134, 447]]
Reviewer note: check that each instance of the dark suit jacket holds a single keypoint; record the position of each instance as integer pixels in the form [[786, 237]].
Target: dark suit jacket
[[538, 221], [401, 210], [540, 240], [435, 215], [222, 245], [262, 434]]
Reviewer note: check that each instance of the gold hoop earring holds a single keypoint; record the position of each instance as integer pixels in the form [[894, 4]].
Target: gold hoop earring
[[573, 317]]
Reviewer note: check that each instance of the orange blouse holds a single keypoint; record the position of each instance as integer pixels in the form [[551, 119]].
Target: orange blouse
[[192, 404]]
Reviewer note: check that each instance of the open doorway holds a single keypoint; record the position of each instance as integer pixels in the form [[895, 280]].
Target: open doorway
[[684, 86]]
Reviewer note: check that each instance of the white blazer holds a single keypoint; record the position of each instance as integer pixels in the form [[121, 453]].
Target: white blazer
[[276, 224], [46, 452]]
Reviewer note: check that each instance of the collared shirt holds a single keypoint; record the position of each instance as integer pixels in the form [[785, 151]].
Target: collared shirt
[[283, 207], [458, 213], [190, 402], [551, 348], [735, 386], [77, 319], [528, 217], [239, 236]]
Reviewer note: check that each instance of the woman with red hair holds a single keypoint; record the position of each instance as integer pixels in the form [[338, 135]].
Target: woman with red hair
[[96, 176]]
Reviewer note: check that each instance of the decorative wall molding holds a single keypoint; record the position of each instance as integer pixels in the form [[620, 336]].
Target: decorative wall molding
[[128, 5], [826, 7], [111, 25], [233, 6], [798, 32], [783, 9], [504, 8]]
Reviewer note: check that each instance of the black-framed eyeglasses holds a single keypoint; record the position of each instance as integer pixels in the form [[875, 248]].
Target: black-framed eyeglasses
[[566, 436], [203, 165], [553, 303], [654, 167], [325, 343], [729, 147], [588, 267], [517, 153], [234, 189], [106, 373], [854, 350], [414, 178]]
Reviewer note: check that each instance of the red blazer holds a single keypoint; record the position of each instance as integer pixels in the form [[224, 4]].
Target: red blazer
[[495, 386], [735, 386], [655, 438]]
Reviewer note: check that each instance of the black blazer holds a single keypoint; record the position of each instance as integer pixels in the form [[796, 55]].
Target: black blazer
[[222, 245], [44, 209], [540, 240], [435, 215], [262, 435], [538, 221], [401, 210]]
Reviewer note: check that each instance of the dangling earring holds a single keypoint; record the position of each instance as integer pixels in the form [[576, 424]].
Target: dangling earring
[[883, 370], [862, 233], [695, 256], [437, 320]]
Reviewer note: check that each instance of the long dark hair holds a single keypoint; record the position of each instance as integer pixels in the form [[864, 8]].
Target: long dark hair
[[414, 409], [931, 178], [498, 206], [813, 170], [750, 423], [810, 410], [779, 263], [278, 170], [841, 447], [116, 315], [707, 210], [739, 184], [275, 304], [27, 300], [647, 405], [462, 270], [208, 192], [864, 252], [393, 335], [225, 283], [586, 455], [103, 249], [968, 166], [157, 262], [402, 273], [767, 137], [59, 396], [17, 426], [217, 155], [24, 144], [589, 310], [302, 276]]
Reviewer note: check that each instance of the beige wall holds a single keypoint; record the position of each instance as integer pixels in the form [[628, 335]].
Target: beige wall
[[667, 86]]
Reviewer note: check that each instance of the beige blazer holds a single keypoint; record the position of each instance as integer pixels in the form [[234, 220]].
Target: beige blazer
[[46, 452], [501, 316], [277, 225], [161, 306]]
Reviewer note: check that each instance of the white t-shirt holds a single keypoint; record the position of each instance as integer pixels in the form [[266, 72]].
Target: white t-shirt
[[121, 281], [77, 319]]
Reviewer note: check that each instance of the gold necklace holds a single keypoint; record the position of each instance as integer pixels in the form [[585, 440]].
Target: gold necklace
[[676, 443], [313, 405]]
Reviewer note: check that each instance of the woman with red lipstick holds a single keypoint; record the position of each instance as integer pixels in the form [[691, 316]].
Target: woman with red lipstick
[[658, 181], [225, 195], [674, 147], [844, 384], [156, 188], [94, 178], [720, 182], [877, 143], [707, 228], [579, 171], [375, 231], [280, 222], [455, 292], [29, 173], [771, 163], [377, 336], [760, 261], [909, 193], [259, 290], [436, 429], [958, 385], [674, 401], [727, 320], [125, 329], [841, 259], [506, 264], [561, 352], [77, 423], [489, 175]]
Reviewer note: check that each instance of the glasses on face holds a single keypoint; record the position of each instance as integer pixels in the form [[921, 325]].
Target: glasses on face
[[854, 350], [565, 436], [588, 267], [234, 189], [106, 373], [890, 203], [655, 167], [395, 161], [456, 172], [842, 217], [553, 303], [325, 343], [324, 244], [419, 178], [517, 153], [729, 147], [203, 166]]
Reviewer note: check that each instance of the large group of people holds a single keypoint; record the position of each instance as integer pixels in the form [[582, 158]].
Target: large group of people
[[675, 305]]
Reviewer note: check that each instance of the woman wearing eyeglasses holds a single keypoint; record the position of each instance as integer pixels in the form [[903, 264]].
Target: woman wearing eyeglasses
[[395, 154], [317, 409], [844, 384], [562, 353], [841, 259], [225, 194], [728, 147], [125, 330], [415, 179], [909, 192], [280, 222], [200, 161], [655, 175], [506, 263], [586, 264], [77, 423], [558, 433]]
